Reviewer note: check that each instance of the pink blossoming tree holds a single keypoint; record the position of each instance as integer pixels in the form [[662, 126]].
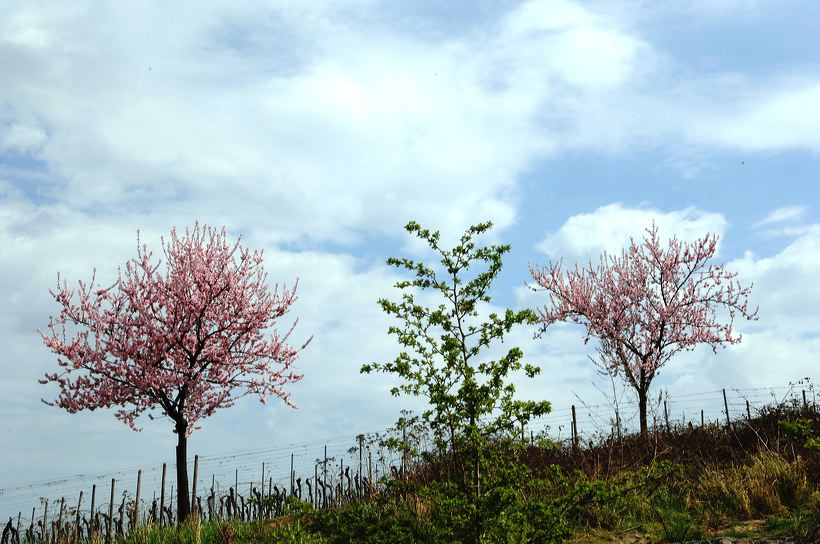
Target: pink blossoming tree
[[184, 340], [647, 304]]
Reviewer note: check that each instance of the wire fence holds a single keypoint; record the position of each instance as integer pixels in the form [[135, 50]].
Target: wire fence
[[257, 484]]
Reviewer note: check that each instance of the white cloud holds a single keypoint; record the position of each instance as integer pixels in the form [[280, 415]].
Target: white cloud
[[22, 138], [782, 215], [785, 285], [609, 229], [769, 119]]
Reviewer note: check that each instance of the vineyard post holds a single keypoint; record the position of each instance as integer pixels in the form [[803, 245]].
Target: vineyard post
[[92, 526], [702, 422], [193, 486], [748, 411], [262, 493], [666, 415], [77, 519], [60, 519], [137, 500], [17, 527], [110, 513], [341, 480], [292, 482], [805, 404], [370, 467], [316, 486], [162, 497], [31, 527], [726, 406], [574, 428], [361, 474], [270, 494], [324, 480], [45, 518]]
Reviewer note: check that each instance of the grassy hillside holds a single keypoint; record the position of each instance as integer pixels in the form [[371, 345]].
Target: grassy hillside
[[756, 478]]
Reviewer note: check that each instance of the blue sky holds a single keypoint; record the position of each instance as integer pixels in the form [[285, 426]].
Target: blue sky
[[317, 130]]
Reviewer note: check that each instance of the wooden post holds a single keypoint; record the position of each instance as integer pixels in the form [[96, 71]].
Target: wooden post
[[236, 482], [361, 468], [324, 481], [60, 519], [341, 479], [702, 422], [33, 513], [315, 485], [262, 492], [805, 404], [726, 405], [748, 411], [110, 513], [93, 517], [292, 482], [193, 487], [77, 519], [574, 428], [45, 522], [162, 497], [666, 415], [137, 500]]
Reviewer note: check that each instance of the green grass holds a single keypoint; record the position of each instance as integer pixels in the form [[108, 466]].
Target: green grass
[[284, 531]]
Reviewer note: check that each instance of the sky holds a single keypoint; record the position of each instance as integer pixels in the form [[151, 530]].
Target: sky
[[317, 130]]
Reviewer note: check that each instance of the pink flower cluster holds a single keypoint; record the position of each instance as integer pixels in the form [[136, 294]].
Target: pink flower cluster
[[648, 303], [185, 339]]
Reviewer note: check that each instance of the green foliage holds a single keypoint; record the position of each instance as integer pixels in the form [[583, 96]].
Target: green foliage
[[381, 520], [442, 344], [677, 520], [813, 444], [801, 430], [283, 505], [470, 396], [796, 430]]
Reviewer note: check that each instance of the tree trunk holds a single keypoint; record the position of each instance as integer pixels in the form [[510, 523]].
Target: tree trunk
[[642, 408], [643, 389], [183, 499]]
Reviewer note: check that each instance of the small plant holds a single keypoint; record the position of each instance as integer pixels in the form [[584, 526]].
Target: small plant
[[796, 430]]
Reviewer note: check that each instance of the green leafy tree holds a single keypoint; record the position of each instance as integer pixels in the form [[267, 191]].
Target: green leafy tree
[[470, 396]]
